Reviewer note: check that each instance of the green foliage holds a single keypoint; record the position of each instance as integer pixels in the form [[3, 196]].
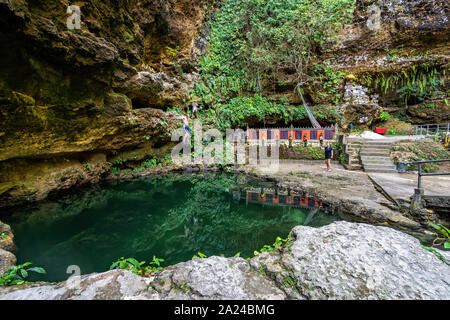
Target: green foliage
[[87, 165], [168, 159], [120, 161], [444, 237], [199, 255], [176, 109], [339, 152], [149, 163], [330, 78], [278, 243], [437, 254], [384, 116], [399, 116], [415, 85], [17, 274], [137, 267], [3, 236], [392, 132], [310, 152], [289, 282], [250, 41], [238, 110], [115, 170], [173, 51], [426, 149], [422, 85]]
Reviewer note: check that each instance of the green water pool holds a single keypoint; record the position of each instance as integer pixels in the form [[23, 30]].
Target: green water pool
[[171, 217]]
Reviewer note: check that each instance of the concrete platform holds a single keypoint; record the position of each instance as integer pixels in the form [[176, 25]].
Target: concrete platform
[[401, 186]]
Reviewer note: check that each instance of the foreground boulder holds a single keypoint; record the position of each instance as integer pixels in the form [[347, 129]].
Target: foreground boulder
[[211, 278], [356, 261], [340, 261], [7, 259]]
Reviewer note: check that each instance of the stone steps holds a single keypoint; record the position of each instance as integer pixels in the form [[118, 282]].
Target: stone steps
[[371, 158], [373, 153], [351, 158], [368, 155], [375, 148], [379, 168], [353, 167], [374, 157]]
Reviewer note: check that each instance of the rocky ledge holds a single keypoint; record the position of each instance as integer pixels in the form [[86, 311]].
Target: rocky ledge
[[349, 193], [340, 261]]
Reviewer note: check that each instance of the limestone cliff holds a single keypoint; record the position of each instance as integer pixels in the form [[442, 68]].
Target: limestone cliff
[[88, 95], [388, 48], [101, 93], [410, 42]]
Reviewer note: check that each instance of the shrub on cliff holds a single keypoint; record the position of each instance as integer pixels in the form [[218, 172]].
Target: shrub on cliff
[[252, 41]]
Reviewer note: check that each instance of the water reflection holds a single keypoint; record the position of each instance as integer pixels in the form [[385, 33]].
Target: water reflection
[[171, 217]]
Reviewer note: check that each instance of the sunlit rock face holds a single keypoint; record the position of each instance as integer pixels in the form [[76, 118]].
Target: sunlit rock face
[[384, 39], [381, 25], [66, 93], [57, 85]]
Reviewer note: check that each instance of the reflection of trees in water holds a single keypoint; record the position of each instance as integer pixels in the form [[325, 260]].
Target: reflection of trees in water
[[225, 226], [172, 218]]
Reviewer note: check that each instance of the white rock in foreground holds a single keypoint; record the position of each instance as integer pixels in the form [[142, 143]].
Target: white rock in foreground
[[339, 261], [371, 135], [358, 261]]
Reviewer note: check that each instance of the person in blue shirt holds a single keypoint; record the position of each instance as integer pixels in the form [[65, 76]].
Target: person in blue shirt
[[328, 155], [187, 130]]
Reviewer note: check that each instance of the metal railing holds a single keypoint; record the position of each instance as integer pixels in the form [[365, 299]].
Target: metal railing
[[422, 174], [432, 129]]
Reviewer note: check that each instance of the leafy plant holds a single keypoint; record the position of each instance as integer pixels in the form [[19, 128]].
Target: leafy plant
[[445, 235], [278, 243], [173, 51], [399, 116], [149, 163], [442, 239], [17, 274], [392, 132], [137, 267], [3, 236], [168, 159], [251, 41], [415, 85], [115, 170], [289, 282], [87, 165], [120, 161], [384, 116], [339, 152], [199, 255]]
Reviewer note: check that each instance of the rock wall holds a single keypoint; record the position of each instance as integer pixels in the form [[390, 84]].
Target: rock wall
[[7, 248], [340, 261], [388, 40], [69, 97]]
